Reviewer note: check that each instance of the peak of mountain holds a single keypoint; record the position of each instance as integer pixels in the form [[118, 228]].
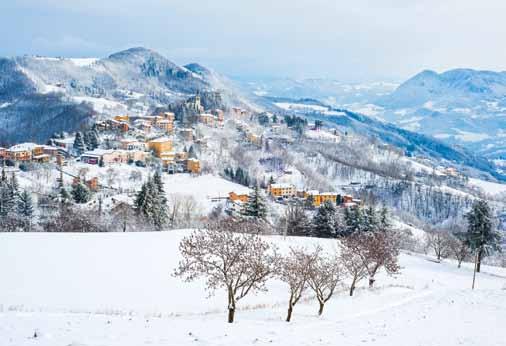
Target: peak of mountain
[[134, 80]]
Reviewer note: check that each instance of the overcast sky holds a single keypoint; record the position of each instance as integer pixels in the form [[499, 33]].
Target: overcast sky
[[354, 40]]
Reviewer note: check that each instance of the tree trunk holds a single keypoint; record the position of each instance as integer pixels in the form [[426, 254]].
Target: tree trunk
[[478, 264], [352, 288], [231, 306], [231, 314], [289, 315], [371, 281], [320, 311]]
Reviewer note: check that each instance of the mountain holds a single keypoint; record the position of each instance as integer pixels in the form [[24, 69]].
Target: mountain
[[41, 95], [411, 142], [330, 91], [460, 106]]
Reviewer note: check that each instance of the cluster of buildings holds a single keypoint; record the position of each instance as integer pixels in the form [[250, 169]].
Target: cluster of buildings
[[25, 152], [250, 136], [282, 192]]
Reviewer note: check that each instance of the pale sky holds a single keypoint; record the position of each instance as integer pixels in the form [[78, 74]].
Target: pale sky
[[350, 41]]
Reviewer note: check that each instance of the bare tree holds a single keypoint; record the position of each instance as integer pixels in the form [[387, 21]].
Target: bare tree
[[438, 241], [382, 251], [353, 255], [294, 270], [229, 254], [324, 275], [458, 248]]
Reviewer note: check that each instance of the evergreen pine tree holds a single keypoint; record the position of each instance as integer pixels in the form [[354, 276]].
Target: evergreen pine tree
[[480, 236], [79, 145], [80, 193], [93, 139], [255, 206], [323, 224], [86, 140], [7, 202], [25, 209], [191, 153]]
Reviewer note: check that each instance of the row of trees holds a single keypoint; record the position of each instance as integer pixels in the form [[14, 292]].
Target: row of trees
[[230, 254], [331, 222]]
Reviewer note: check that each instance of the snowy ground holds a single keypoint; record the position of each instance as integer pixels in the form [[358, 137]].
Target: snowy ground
[[116, 289]]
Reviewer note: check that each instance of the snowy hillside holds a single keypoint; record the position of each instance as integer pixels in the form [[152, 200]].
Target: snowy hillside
[[116, 289], [66, 93], [461, 106]]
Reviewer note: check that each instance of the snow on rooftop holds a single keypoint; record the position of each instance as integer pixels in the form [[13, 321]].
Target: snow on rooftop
[[24, 147]]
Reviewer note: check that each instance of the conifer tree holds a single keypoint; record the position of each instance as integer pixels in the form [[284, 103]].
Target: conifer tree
[[86, 140], [480, 236], [80, 193], [93, 139], [79, 145], [151, 202], [7, 201], [255, 206], [25, 209], [324, 225]]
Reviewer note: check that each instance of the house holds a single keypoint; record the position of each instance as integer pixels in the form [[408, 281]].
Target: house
[[323, 197], [160, 145], [234, 197], [168, 115], [193, 166], [282, 190], [167, 157], [132, 144], [254, 139], [186, 134], [92, 184], [3, 152], [207, 119], [166, 125], [124, 118], [181, 156], [112, 156], [24, 151], [65, 143]]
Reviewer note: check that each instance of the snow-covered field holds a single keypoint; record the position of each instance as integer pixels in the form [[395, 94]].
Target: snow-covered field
[[488, 186], [116, 289]]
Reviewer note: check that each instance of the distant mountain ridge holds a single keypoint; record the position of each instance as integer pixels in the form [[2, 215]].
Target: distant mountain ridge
[[40, 90], [461, 106]]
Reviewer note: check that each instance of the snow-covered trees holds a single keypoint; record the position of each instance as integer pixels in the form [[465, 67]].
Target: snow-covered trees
[[230, 254], [80, 193], [25, 209], [294, 269], [79, 145], [354, 258], [151, 202], [325, 272], [439, 242], [297, 222], [255, 206], [324, 221], [481, 237]]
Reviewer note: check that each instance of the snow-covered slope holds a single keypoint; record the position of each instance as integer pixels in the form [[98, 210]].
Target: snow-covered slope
[[132, 81], [461, 106], [117, 290]]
